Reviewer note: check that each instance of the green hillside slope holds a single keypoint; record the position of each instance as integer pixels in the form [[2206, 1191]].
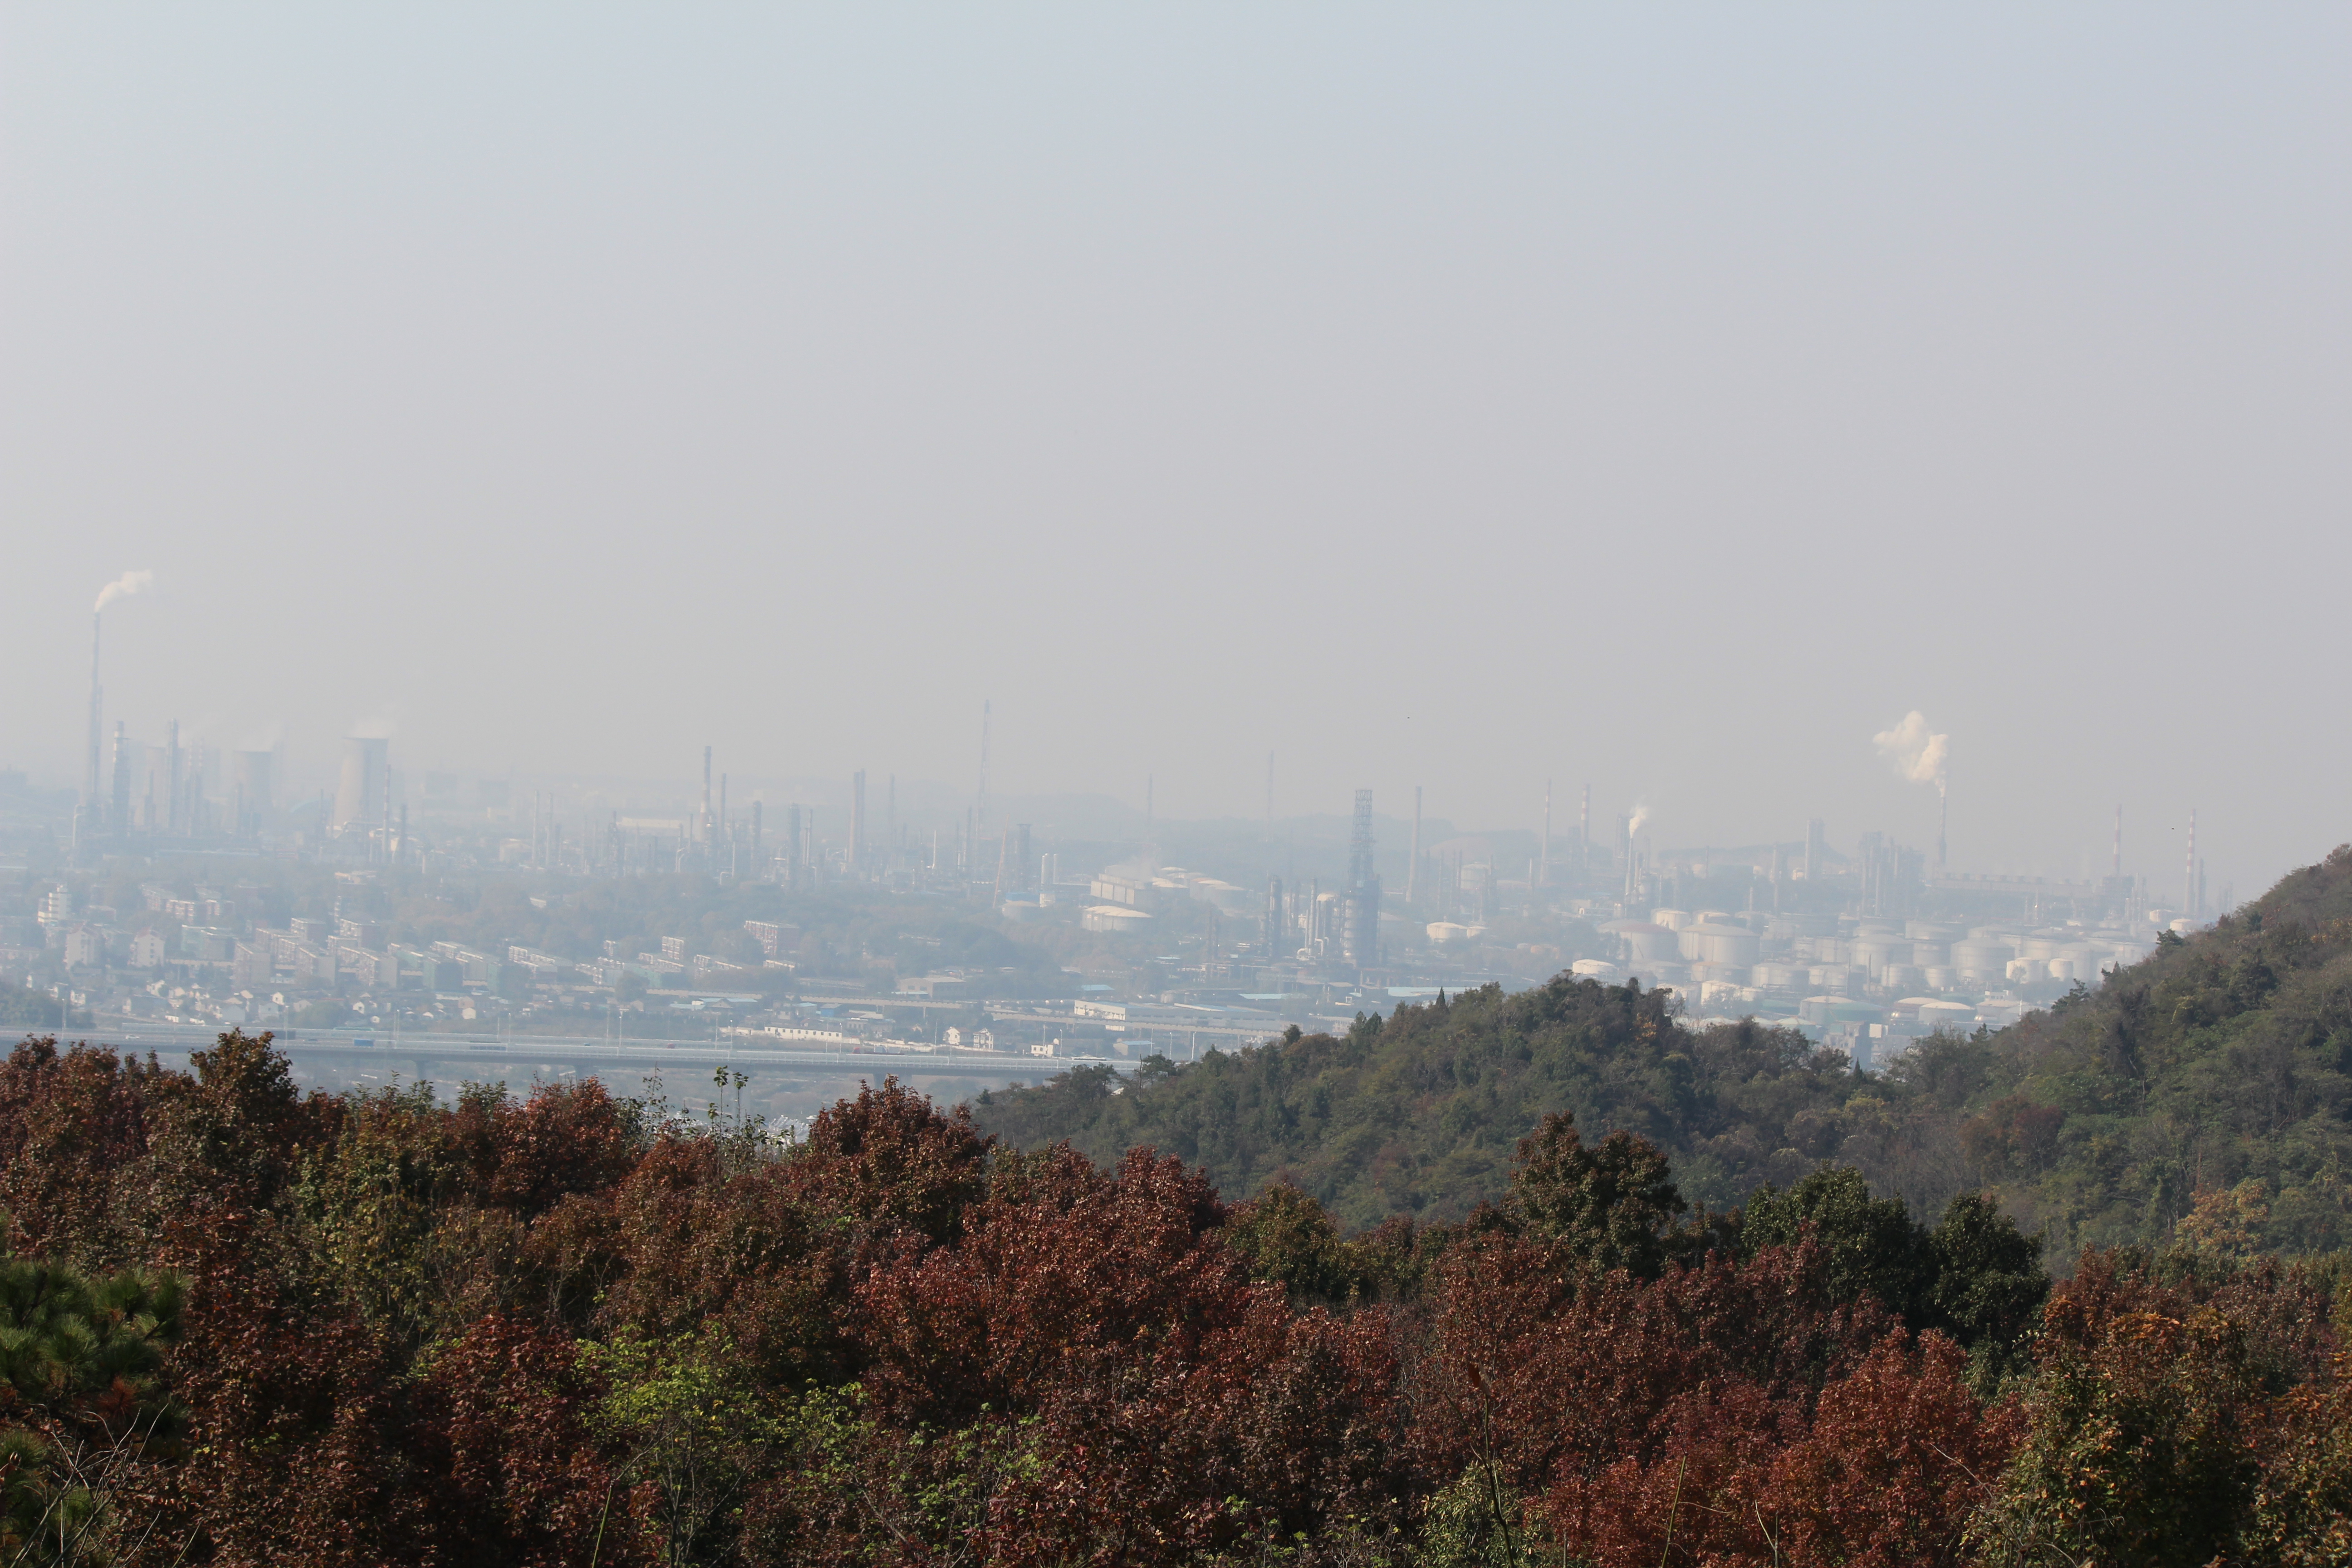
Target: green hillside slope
[[2207, 1085]]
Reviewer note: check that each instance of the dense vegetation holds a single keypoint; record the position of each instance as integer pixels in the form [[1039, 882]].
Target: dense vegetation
[[2207, 1085], [240, 1325], [21, 1009]]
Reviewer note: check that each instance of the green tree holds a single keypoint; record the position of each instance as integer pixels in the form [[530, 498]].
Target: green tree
[[1873, 1248], [80, 1371], [1613, 1205]]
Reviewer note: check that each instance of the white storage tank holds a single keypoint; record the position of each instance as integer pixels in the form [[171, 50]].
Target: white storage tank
[[1596, 969], [1977, 959], [1958, 1016], [1875, 952], [1712, 943], [1645, 940]]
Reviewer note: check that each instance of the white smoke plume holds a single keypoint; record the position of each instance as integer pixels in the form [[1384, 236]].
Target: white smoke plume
[[122, 587], [1913, 751], [1633, 823]]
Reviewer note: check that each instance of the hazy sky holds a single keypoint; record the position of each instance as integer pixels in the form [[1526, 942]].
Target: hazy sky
[[1667, 396]]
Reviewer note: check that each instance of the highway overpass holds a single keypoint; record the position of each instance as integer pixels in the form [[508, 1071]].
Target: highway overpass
[[483, 1056]]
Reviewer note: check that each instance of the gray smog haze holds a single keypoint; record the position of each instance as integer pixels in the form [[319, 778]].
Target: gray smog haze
[[1671, 398]]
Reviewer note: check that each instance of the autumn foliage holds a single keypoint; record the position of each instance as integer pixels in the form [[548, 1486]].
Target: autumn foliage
[[244, 1325]]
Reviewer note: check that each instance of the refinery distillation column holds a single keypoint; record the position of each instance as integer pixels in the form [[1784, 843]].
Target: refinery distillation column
[[1543, 876], [1412, 870], [91, 805], [1360, 936]]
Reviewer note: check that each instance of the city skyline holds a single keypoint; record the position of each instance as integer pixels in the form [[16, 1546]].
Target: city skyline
[[1672, 409]]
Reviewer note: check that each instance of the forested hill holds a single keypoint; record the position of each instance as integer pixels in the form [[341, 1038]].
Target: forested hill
[[2207, 1083]]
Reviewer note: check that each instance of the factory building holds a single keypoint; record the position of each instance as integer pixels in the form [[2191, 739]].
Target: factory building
[[360, 794]]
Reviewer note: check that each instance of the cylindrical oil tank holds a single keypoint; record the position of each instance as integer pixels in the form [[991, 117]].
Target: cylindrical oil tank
[[1645, 939], [1875, 952], [1980, 960], [1955, 1016], [1715, 943]]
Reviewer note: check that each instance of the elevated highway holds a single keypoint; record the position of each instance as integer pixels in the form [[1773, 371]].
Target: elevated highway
[[482, 1056]]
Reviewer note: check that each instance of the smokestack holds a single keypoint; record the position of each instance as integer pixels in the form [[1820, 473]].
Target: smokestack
[[2189, 888], [1543, 877], [707, 834], [119, 818], [980, 809], [1584, 833], [857, 822], [90, 781], [1412, 871], [1943, 819]]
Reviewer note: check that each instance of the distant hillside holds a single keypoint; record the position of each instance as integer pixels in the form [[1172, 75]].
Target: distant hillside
[[1420, 1113], [2215, 1078]]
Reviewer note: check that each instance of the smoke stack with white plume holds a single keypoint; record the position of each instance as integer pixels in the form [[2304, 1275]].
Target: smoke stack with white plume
[[1915, 753], [122, 587], [1922, 758]]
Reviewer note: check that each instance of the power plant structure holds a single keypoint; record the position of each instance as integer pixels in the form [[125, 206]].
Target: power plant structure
[[1359, 930], [363, 789], [857, 824], [250, 782], [91, 804]]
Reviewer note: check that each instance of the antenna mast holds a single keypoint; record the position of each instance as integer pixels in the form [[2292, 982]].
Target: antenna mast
[[980, 818]]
